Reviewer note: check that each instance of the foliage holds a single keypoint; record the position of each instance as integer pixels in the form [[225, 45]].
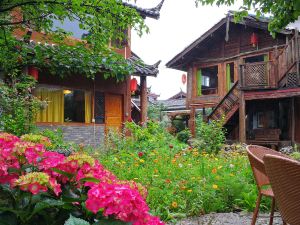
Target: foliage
[[39, 185], [210, 136], [283, 12], [178, 124], [101, 20], [296, 155], [184, 135], [18, 106], [142, 138], [154, 111], [182, 182]]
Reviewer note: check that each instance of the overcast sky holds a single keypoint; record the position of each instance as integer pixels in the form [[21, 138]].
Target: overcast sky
[[179, 25]]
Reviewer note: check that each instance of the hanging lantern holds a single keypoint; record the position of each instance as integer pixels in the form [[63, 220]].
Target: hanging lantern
[[34, 72], [183, 78], [133, 85], [254, 39]]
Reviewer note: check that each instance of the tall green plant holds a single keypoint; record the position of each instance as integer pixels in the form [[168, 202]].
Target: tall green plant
[[18, 105], [211, 135]]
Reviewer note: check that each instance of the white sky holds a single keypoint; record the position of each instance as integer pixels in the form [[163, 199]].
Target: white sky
[[179, 25]]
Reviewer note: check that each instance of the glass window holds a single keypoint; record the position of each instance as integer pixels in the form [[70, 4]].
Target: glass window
[[74, 106], [99, 108]]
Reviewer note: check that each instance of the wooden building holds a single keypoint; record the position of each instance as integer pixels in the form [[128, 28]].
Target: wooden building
[[86, 108], [247, 76]]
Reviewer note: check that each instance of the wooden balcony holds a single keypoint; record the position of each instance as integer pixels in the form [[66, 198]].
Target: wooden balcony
[[259, 75]]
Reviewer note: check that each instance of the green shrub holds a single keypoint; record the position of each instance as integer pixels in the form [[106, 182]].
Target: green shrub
[[184, 135], [18, 106], [295, 155], [210, 137]]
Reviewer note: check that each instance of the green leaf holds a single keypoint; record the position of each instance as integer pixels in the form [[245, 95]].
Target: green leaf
[[90, 179], [76, 221], [48, 203], [69, 175]]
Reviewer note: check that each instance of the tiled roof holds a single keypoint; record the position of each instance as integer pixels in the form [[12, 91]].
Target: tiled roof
[[152, 13], [173, 104], [250, 21], [142, 69]]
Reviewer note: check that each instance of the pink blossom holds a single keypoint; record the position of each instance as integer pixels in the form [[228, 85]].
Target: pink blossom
[[51, 160], [35, 188]]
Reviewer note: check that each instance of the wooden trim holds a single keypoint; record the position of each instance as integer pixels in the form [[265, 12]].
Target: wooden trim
[[272, 94], [242, 118]]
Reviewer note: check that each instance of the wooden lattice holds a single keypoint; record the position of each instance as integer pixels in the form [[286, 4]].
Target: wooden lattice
[[255, 74], [292, 80]]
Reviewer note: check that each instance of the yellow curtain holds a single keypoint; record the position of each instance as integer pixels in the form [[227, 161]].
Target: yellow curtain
[[54, 111], [88, 106]]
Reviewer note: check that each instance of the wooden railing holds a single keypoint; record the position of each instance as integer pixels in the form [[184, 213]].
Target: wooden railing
[[288, 63], [257, 75], [227, 106]]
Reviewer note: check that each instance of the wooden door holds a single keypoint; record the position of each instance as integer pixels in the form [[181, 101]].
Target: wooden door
[[113, 111]]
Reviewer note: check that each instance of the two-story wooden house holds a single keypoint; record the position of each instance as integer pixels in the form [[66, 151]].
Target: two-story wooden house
[[243, 73], [86, 108]]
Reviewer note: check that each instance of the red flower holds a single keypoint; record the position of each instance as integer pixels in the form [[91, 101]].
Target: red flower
[[140, 154], [171, 146]]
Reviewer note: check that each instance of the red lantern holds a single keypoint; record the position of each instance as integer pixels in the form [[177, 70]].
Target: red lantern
[[183, 78], [34, 72], [254, 39], [133, 85]]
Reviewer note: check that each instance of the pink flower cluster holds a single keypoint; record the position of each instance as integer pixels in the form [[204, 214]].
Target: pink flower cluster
[[123, 199]]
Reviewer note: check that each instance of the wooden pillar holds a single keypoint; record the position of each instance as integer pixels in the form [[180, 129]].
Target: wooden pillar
[[293, 120], [242, 118], [192, 122], [297, 49], [144, 99]]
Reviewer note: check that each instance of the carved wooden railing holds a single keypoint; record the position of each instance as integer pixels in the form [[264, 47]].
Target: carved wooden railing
[[288, 63], [257, 75], [227, 106]]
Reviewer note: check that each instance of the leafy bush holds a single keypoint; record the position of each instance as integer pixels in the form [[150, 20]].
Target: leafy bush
[[295, 155], [38, 185], [210, 137], [18, 106], [184, 135]]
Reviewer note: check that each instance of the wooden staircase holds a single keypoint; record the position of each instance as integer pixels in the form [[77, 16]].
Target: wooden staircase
[[227, 106], [287, 67], [288, 64]]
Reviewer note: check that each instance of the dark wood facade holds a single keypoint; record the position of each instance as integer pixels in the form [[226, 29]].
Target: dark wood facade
[[245, 82]]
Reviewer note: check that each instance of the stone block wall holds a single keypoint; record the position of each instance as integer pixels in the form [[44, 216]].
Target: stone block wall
[[87, 135]]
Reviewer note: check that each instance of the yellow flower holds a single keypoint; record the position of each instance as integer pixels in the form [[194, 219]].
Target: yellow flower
[[155, 160], [190, 191], [195, 153], [220, 167], [174, 205], [142, 161], [231, 174], [215, 186]]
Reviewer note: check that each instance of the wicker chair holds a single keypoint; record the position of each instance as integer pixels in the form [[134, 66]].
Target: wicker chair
[[256, 154], [284, 176]]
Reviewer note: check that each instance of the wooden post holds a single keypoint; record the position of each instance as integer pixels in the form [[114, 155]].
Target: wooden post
[[144, 99], [276, 67], [192, 121], [297, 54], [242, 118], [293, 119]]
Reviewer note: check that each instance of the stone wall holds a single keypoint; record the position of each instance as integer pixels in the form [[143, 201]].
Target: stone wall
[[87, 135]]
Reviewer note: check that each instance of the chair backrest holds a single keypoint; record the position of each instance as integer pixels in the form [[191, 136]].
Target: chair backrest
[[284, 175], [255, 155]]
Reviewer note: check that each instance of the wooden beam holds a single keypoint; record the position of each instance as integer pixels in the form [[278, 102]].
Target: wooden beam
[[293, 119], [144, 99], [192, 122], [242, 118]]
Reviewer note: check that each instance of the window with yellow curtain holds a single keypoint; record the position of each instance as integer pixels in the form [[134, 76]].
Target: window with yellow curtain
[[65, 105]]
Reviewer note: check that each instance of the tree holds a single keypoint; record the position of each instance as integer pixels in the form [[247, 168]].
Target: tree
[[101, 19], [283, 11]]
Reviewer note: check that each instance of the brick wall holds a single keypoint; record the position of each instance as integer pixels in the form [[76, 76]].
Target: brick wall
[[87, 135]]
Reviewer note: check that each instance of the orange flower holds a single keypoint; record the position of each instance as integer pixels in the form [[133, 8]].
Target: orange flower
[[168, 181], [174, 205], [214, 170]]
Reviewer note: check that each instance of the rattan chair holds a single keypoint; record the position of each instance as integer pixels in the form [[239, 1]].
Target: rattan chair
[[256, 154], [284, 175]]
